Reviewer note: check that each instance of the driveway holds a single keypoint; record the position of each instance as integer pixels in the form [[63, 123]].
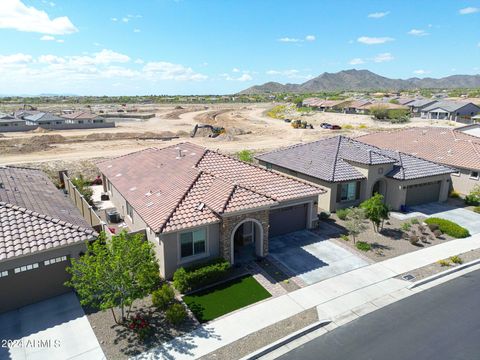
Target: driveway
[[463, 217], [53, 329], [312, 257]]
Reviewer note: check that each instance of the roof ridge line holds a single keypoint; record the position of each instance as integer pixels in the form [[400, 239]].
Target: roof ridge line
[[335, 160], [46, 217]]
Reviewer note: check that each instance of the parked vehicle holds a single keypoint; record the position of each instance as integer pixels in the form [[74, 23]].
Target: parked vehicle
[[326, 126], [335, 127]]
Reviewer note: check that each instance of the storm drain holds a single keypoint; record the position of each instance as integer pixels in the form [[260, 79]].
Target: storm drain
[[408, 277]]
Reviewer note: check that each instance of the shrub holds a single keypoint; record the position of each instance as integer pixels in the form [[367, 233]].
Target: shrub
[[195, 277], [433, 227], [414, 221], [83, 187], [163, 297], [456, 259], [454, 194], [141, 326], [472, 199], [363, 246], [324, 215], [344, 237], [176, 314], [362, 126], [245, 155], [348, 127], [477, 209], [413, 239], [342, 214], [449, 227], [406, 226], [444, 262]]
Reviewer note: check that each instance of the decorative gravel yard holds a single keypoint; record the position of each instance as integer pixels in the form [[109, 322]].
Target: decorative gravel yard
[[226, 297]]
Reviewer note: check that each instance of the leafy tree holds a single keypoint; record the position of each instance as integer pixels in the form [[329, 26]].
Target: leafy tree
[[355, 223], [379, 112], [115, 272], [376, 211], [245, 155], [83, 187]]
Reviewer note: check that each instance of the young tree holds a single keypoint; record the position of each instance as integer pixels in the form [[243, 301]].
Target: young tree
[[355, 223], [115, 272], [245, 155], [376, 211], [83, 188]]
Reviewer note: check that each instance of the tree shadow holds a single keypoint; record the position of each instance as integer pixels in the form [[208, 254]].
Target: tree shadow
[[394, 234]]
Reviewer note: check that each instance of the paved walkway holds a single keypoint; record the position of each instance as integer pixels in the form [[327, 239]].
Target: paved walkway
[[335, 296]]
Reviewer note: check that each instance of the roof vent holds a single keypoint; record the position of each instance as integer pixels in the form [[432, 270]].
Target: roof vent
[[201, 206], [150, 204], [118, 175], [133, 188], [149, 193]]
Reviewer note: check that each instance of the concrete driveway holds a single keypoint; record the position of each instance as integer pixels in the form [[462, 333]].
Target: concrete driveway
[[312, 257], [52, 329], [463, 217]]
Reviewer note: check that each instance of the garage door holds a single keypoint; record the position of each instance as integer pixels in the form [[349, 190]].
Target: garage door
[[35, 283], [423, 193], [288, 219]]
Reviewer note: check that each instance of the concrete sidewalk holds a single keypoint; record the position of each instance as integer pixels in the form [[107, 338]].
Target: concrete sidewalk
[[332, 297]]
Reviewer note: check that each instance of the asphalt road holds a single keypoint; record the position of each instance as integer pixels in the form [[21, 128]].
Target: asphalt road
[[442, 323]]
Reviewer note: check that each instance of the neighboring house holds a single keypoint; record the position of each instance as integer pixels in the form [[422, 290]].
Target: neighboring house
[[366, 109], [325, 105], [40, 231], [353, 171], [83, 117], [43, 118], [476, 119], [405, 101], [447, 146], [451, 110], [195, 204], [472, 129], [417, 106], [7, 120], [355, 107]]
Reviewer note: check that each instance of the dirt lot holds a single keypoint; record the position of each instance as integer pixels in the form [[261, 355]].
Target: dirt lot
[[246, 126]]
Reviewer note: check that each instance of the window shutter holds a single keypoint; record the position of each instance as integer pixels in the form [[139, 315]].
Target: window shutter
[[339, 192], [358, 190]]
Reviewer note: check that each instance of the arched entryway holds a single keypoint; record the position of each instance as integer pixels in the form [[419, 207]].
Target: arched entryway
[[380, 187], [246, 241]]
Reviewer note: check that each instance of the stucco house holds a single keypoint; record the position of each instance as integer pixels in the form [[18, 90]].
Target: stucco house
[[83, 117], [418, 105], [196, 204], [43, 118], [353, 171], [450, 110], [40, 231], [451, 147]]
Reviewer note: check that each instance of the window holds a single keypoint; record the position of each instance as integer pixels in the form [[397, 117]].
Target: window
[[349, 191], [474, 175], [3, 273], [55, 260], [25, 268], [193, 243], [130, 211], [109, 186], [269, 166]]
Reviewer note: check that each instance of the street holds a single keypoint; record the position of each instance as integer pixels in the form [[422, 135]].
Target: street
[[439, 323]]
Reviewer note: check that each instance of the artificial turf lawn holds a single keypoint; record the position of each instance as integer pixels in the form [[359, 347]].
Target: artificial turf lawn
[[221, 299]]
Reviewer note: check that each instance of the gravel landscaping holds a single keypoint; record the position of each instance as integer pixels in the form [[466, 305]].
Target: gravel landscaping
[[261, 338], [389, 243], [119, 342]]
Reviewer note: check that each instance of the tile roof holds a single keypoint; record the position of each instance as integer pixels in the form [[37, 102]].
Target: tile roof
[[186, 185], [35, 215], [23, 232], [438, 144], [331, 160], [42, 116], [422, 102], [81, 115], [449, 106]]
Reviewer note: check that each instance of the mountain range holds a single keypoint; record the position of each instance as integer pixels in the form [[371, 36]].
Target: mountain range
[[364, 80]]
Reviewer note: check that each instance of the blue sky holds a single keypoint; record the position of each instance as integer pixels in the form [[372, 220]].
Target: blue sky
[[143, 47]]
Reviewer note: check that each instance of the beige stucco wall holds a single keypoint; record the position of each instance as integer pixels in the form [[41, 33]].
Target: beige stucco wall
[[463, 184]]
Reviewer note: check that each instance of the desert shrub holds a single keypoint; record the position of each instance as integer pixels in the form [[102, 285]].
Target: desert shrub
[[406, 226], [414, 221], [456, 259], [348, 126], [195, 277], [379, 112], [245, 155], [344, 237], [454, 194], [176, 314], [477, 209], [437, 233], [163, 297], [362, 126], [277, 112], [444, 262], [449, 227], [324, 215], [363, 246], [413, 239], [342, 214], [472, 199]]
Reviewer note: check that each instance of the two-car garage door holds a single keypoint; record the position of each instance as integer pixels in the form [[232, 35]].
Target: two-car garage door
[[288, 219], [423, 193]]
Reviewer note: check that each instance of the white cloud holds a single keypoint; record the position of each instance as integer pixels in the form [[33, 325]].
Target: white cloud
[[356, 61], [289, 40], [139, 61], [15, 59], [136, 30], [51, 59], [421, 72], [61, 41], [108, 56], [310, 38], [125, 19], [417, 32], [384, 57], [47, 38], [289, 73], [469, 10], [235, 70], [114, 19], [242, 78], [374, 40], [378, 15], [14, 14], [163, 70]]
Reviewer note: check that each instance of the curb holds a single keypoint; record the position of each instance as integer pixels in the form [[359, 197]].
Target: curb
[[444, 273], [287, 339]]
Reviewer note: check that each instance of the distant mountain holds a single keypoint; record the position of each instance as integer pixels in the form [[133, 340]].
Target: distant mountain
[[365, 80]]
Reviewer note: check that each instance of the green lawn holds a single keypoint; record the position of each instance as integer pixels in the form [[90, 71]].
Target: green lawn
[[224, 298]]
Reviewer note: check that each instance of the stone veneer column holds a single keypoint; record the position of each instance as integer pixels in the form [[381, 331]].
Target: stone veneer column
[[229, 223]]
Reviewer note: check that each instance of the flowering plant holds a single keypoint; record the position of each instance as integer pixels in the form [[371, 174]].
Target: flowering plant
[[140, 326]]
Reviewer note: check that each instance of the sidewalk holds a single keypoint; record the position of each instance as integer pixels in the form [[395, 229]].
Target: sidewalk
[[332, 297]]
